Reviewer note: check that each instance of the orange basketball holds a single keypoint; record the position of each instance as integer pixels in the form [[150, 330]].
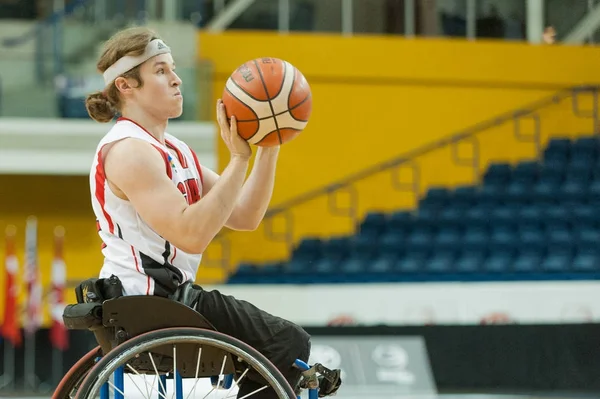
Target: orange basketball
[[270, 99]]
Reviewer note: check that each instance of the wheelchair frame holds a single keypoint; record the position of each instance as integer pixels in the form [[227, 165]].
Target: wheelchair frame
[[117, 320]]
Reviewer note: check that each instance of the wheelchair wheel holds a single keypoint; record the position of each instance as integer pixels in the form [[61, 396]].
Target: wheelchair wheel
[[163, 352], [69, 383]]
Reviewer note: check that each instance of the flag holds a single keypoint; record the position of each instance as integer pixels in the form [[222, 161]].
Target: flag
[[10, 325], [59, 336], [33, 311]]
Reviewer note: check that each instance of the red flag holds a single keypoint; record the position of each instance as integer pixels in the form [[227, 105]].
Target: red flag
[[59, 336], [33, 312], [10, 326]]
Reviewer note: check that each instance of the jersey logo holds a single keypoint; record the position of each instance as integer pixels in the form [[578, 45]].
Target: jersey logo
[[172, 162], [190, 190]]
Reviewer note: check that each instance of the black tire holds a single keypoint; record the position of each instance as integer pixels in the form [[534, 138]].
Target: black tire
[[76, 374], [117, 356]]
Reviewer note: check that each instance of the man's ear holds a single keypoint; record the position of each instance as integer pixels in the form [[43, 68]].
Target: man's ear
[[123, 85]]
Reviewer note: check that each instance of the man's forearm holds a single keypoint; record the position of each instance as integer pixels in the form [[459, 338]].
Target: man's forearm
[[257, 191]]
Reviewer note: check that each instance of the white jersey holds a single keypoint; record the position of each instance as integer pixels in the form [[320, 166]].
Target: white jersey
[[146, 263]]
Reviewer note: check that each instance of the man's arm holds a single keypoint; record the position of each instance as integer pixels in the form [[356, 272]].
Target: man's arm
[[138, 170], [256, 193]]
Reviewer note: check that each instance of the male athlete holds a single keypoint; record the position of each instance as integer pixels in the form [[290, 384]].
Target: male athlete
[[158, 209]]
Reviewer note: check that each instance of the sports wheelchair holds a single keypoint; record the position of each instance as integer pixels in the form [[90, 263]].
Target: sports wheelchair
[[141, 336]]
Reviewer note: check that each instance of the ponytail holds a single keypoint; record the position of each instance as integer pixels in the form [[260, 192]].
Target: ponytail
[[100, 108]]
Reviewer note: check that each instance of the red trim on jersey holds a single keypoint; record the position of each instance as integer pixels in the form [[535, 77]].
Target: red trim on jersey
[[148, 286], [100, 191], [166, 159], [180, 156], [197, 166], [137, 264], [174, 254]]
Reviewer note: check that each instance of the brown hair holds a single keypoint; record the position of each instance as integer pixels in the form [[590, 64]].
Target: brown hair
[[102, 106]]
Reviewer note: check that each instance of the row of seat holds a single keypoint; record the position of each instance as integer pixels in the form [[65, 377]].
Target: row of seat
[[476, 267], [534, 220]]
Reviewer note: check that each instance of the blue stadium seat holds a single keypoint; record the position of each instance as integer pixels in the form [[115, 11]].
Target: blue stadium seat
[[298, 265], [354, 265], [436, 198], [447, 238], [557, 148], [528, 260], [441, 261], [552, 174], [503, 216], [246, 269], [560, 238], [573, 191], [526, 172], [470, 261], [532, 239], [545, 190], [588, 142], [587, 252], [497, 173], [587, 237], [325, 265], [412, 262], [503, 239], [421, 239], [425, 218], [477, 216], [518, 192], [373, 224], [585, 148], [464, 196], [587, 260], [593, 194], [390, 244], [475, 238], [558, 259], [382, 264], [499, 262], [595, 172], [400, 221], [531, 214], [492, 194], [451, 217], [308, 250], [336, 248]]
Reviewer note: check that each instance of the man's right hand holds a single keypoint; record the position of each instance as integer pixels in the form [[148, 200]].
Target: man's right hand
[[238, 147]]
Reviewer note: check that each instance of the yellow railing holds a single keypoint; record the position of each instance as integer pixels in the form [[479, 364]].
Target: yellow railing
[[396, 183]]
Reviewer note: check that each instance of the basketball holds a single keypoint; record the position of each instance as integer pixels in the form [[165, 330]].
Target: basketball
[[270, 99]]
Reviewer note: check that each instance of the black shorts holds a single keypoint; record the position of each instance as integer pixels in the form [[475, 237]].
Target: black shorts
[[280, 340]]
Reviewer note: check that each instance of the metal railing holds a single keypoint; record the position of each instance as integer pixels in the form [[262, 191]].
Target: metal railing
[[525, 124]]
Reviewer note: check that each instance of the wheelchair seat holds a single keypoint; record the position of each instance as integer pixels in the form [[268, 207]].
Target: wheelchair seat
[[117, 320]]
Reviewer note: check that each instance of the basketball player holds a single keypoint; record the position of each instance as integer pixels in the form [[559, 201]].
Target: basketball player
[[158, 209]]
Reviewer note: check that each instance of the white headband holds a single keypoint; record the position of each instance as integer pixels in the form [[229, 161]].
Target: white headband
[[124, 64]]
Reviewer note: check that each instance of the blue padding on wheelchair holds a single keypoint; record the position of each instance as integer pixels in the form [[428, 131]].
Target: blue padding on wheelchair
[[225, 383]]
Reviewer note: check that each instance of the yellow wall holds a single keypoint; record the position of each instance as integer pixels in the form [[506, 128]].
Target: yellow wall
[[377, 97], [374, 98], [54, 200]]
